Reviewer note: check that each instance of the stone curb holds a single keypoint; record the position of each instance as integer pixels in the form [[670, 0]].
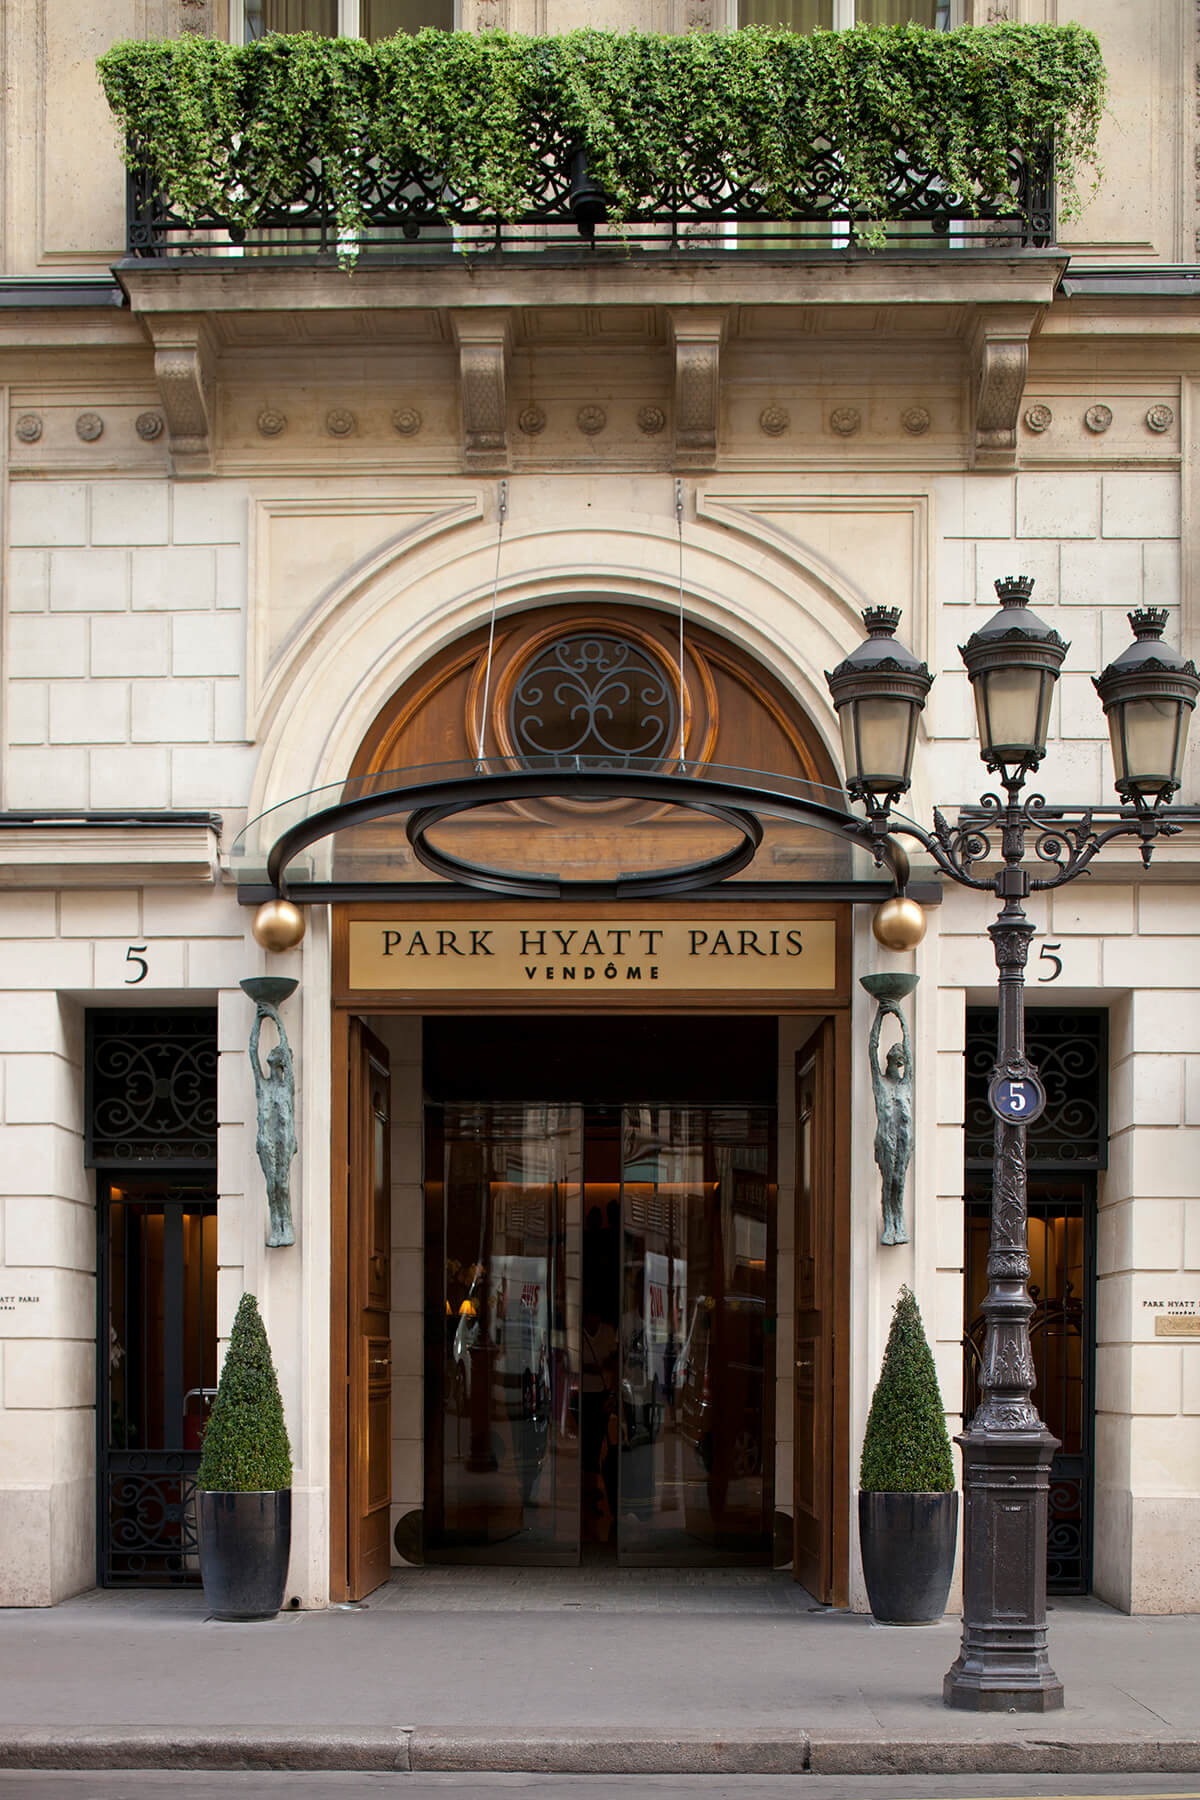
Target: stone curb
[[580, 1750], [228, 1748], [833, 1754]]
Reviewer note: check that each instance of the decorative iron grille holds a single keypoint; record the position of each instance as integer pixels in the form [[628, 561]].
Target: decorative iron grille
[[148, 1514], [152, 1090], [1069, 1049], [411, 210], [594, 694]]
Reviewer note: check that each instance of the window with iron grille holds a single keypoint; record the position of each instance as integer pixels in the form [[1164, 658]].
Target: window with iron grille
[[1069, 1050], [151, 1089]]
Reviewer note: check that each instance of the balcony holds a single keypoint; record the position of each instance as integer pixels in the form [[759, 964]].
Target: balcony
[[694, 209], [604, 146]]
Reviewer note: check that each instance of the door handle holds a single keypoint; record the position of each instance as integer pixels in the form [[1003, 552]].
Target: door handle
[[805, 1362]]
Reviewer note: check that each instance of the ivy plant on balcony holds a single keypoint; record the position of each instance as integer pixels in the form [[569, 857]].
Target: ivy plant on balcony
[[232, 131]]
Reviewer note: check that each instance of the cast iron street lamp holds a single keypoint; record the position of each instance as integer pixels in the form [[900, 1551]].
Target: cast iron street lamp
[[1013, 662]]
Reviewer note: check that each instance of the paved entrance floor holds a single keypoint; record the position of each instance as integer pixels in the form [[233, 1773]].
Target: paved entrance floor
[[575, 1670], [598, 1588]]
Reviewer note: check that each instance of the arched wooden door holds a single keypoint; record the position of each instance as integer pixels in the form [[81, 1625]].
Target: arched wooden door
[[734, 710]]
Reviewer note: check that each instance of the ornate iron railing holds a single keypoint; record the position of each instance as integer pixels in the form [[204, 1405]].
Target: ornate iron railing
[[411, 211]]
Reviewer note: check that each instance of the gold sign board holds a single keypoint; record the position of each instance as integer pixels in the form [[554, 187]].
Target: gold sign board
[[641, 956], [1185, 1325]]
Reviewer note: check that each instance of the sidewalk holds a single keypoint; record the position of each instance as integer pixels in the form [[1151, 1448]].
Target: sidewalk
[[636, 1671]]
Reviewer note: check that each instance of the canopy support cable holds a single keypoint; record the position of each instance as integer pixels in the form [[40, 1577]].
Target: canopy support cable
[[501, 515], [679, 528]]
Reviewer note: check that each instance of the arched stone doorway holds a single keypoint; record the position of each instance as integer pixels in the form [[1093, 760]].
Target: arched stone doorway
[[597, 1190]]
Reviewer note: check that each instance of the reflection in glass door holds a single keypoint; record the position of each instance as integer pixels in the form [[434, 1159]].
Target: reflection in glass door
[[600, 1333], [697, 1335], [502, 1306]]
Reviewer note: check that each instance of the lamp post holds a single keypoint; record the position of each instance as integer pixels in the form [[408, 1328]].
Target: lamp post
[[1147, 694]]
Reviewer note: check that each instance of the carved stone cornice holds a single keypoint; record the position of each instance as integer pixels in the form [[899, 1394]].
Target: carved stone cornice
[[484, 347], [60, 853], [697, 334], [938, 291], [999, 358], [184, 357]]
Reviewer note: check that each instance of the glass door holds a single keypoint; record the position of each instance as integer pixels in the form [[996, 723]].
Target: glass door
[[158, 1373], [600, 1341], [697, 1335], [503, 1312]]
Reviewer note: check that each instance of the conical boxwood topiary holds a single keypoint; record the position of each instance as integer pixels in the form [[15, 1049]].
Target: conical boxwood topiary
[[906, 1449], [245, 1447]]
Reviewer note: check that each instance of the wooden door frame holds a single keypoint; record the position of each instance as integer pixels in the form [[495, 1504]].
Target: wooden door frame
[[339, 1309], [838, 1170], [347, 1005], [833, 1100]]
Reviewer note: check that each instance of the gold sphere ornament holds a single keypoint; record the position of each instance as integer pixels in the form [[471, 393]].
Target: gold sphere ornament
[[278, 925], [899, 924]]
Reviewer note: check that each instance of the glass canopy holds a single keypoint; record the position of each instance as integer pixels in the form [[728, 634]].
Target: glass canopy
[[555, 825]]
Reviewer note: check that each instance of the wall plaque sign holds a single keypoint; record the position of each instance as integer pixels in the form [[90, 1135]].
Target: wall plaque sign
[[636, 956], [1183, 1325]]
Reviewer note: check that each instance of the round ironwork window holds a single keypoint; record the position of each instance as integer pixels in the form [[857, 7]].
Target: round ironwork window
[[594, 694]]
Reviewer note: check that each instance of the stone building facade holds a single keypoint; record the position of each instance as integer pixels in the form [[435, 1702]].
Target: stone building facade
[[250, 510]]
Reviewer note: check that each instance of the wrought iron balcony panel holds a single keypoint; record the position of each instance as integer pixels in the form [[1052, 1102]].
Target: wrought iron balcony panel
[[411, 212]]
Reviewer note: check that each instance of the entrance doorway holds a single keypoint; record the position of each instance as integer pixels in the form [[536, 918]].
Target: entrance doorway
[[620, 1246], [602, 1271], [1066, 1149], [151, 1136]]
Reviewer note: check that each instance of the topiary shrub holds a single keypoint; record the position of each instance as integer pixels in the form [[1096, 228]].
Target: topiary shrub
[[906, 1449], [245, 1447]]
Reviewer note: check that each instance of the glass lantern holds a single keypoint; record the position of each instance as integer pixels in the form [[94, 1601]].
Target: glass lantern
[[1013, 663], [1148, 694], [879, 692]]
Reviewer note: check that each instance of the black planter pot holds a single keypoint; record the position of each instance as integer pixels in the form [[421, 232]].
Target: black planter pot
[[908, 1554], [245, 1540]]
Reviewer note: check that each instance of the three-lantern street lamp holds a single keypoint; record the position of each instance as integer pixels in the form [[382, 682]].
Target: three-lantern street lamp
[[1147, 693]]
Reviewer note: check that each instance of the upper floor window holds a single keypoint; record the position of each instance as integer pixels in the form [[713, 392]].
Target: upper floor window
[[370, 19], [839, 15]]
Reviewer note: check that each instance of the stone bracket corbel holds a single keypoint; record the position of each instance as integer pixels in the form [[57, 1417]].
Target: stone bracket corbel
[[697, 334], [998, 349], [184, 368], [484, 349]]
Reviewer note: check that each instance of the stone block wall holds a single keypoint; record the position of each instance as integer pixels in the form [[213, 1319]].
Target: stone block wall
[[61, 951], [47, 1281], [1112, 938], [126, 645], [1097, 544], [1148, 1384]]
